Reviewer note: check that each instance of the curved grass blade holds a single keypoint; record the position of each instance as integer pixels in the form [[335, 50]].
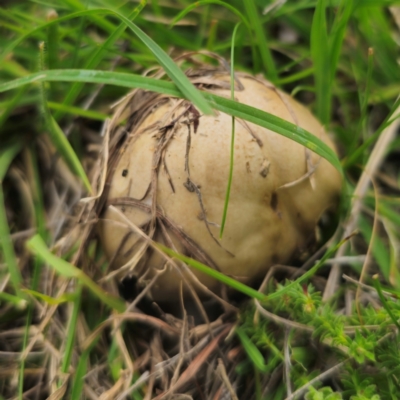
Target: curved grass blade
[[7, 154], [11, 105], [15, 301], [66, 151], [233, 283], [228, 106], [52, 301], [172, 70], [206, 2], [92, 76], [247, 290], [360, 150], [38, 247], [228, 189], [223, 4], [278, 125], [377, 286]]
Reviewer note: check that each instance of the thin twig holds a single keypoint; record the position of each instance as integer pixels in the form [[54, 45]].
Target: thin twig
[[286, 370], [224, 376]]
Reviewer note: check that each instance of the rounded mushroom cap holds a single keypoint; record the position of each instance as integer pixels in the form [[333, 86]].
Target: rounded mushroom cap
[[175, 166]]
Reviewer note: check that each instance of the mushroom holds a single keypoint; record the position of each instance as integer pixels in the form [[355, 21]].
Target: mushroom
[[170, 175]]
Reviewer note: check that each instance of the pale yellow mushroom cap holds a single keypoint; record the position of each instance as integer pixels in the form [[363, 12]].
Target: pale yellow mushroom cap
[[274, 206]]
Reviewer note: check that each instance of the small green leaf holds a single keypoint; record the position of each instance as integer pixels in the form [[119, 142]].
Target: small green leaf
[[50, 300], [252, 351]]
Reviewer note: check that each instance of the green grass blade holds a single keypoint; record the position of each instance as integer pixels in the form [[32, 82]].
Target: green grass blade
[[11, 105], [354, 157], [321, 58], [244, 288], [379, 249], [212, 35], [79, 376], [251, 350], [311, 272], [206, 2], [172, 70], [228, 189], [233, 283], [228, 106], [379, 35], [77, 111], [7, 246], [338, 32], [217, 2], [6, 157], [385, 304], [64, 148], [52, 301], [262, 42], [15, 301], [52, 42], [277, 125], [96, 58], [296, 76], [38, 203], [79, 41], [10, 259], [93, 76], [114, 360], [38, 247], [69, 347]]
